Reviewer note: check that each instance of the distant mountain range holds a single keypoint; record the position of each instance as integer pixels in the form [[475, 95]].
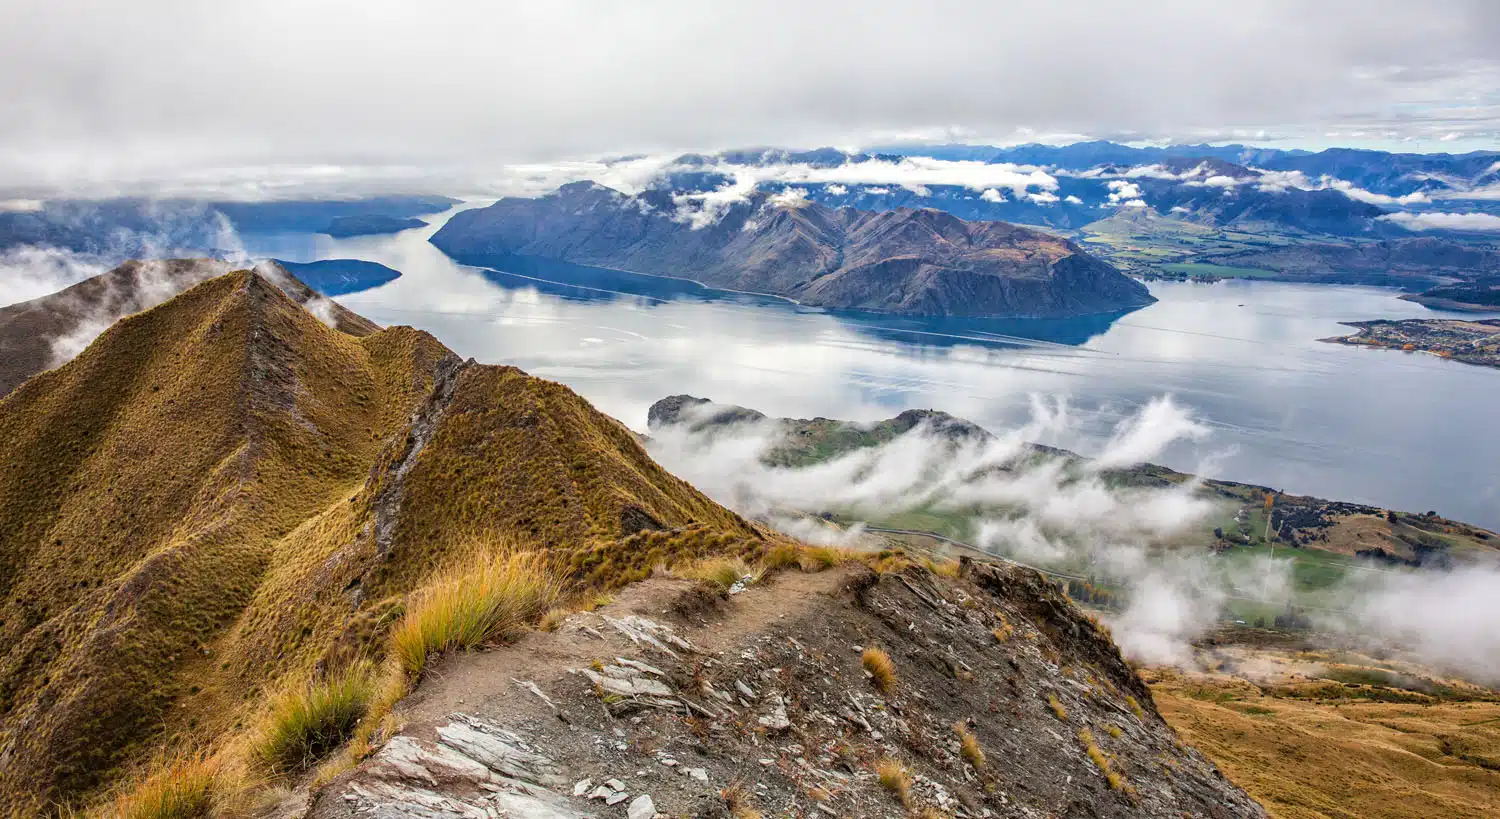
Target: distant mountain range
[[909, 261], [125, 228]]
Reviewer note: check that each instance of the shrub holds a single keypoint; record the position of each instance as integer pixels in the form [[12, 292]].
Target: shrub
[[881, 669], [1057, 707], [308, 723], [895, 779], [178, 789], [968, 746], [483, 597]]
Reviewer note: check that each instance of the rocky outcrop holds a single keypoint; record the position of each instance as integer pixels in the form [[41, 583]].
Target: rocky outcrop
[[674, 701], [908, 261]]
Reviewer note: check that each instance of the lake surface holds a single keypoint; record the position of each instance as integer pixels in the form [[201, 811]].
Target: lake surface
[[1403, 430]]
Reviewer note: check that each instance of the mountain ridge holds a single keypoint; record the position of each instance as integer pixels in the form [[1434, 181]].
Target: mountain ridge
[[922, 262]]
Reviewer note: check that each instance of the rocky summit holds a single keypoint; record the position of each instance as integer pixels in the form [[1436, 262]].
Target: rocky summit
[[908, 261]]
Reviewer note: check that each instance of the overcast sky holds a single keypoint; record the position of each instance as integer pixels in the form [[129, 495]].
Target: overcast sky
[[184, 93]]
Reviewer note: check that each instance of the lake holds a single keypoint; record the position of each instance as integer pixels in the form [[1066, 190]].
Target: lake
[[1403, 430]]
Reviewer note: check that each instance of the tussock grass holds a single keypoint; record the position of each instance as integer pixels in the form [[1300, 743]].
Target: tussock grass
[[1135, 707], [894, 778], [1057, 707], [943, 568], [483, 596], [740, 803], [721, 572], [968, 746], [309, 722], [881, 669], [1003, 631], [1101, 760], [181, 788]]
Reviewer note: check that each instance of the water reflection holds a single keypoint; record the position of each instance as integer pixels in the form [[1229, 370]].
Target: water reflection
[[1404, 430]]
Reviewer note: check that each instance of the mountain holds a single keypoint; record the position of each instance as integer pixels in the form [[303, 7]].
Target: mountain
[[223, 495], [335, 277], [224, 505], [47, 331], [122, 228], [368, 224], [920, 262]]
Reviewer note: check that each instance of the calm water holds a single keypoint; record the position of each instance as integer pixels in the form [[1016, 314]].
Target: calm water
[[1391, 429]]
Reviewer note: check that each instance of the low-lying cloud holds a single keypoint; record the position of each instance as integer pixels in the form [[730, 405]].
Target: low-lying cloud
[[1476, 222]]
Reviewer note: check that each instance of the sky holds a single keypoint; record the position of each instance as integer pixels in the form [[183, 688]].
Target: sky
[[273, 96]]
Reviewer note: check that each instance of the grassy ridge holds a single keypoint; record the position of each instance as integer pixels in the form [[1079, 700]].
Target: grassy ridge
[[223, 497]]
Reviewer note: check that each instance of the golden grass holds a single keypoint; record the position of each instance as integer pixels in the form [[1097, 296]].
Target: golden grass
[[1057, 707], [1374, 760], [1003, 631], [944, 568], [894, 778], [882, 669], [968, 746], [181, 788], [721, 573], [738, 800], [482, 597], [1135, 707], [306, 723], [1097, 756]]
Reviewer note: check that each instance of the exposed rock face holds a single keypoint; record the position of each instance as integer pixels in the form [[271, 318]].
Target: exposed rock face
[[676, 702], [918, 262]]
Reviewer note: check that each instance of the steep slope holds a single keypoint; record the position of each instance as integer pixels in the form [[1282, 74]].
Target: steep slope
[[222, 494], [1411, 262], [922, 262], [44, 332], [756, 704]]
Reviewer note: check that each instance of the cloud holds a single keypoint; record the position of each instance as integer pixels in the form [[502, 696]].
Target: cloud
[[406, 97], [1479, 222], [1445, 618], [1122, 192], [1042, 197], [789, 198], [836, 190], [992, 195], [28, 273], [1072, 200]]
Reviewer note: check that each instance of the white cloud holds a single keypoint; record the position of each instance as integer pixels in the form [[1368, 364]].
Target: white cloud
[[789, 198], [1072, 200], [836, 190], [878, 190], [1122, 192], [1482, 222], [1042, 197], [1221, 181], [992, 195]]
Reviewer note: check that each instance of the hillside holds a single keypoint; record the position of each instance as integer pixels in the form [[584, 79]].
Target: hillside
[[920, 262], [336, 277], [44, 332], [269, 490], [368, 224], [1404, 262]]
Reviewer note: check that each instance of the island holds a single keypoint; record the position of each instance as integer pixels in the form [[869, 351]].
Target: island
[[907, 261], [339, 277], [1470, 341], [369, 224]]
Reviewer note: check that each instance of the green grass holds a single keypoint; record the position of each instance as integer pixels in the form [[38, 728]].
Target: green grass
[[1223, 271], [310, 722], [178, 789], [480, 598]]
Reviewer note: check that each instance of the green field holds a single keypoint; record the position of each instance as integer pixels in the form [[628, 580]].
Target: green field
[[1223, 271]]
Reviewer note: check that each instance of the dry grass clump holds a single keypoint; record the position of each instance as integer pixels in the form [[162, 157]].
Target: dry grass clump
[[482, 597], [968, 746], [1003, 631], [308, 723], [881, 669], [1101, 760], [894, 778], [721, 573], [739, 802], [1057, 707], [944, 568], [178, 789], [1135, 707], [1114, 731]]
